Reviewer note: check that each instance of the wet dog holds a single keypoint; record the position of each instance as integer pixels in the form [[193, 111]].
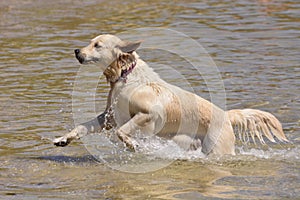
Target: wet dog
[[142, 101]]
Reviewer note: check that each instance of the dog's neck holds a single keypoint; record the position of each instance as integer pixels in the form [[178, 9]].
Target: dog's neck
[[143, 74]]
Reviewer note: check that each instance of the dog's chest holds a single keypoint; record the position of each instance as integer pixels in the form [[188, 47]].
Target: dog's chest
[[120, 101]]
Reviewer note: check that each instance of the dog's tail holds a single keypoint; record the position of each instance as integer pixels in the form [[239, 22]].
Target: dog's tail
[[256, 123]]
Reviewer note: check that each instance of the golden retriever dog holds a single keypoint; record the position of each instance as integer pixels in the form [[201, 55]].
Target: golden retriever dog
[[139, 100]]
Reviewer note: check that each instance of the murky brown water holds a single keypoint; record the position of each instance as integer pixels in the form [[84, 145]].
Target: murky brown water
[[255, 44]]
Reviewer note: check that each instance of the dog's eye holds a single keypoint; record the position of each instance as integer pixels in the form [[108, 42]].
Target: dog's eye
[[97, 45]]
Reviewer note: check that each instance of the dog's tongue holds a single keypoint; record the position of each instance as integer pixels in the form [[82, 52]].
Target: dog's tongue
[[127, 71], [124, 73]]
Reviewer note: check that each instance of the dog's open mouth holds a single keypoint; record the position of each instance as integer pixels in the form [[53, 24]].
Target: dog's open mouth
[[125, 72], [113, 75], [80, 58]]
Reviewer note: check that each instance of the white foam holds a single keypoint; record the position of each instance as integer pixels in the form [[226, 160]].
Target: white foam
[[159, 152], [272, 153]]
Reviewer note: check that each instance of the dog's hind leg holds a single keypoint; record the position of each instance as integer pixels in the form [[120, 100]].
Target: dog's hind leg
[[186, 142]]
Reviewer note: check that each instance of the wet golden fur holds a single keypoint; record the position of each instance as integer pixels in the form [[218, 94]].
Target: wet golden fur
[[141, 100]]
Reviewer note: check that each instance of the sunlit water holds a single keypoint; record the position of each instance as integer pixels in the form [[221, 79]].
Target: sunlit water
[[255, 45]]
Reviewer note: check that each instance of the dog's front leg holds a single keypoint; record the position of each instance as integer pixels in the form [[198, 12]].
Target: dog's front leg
[[138, 122], [100, 122], [76, 133]]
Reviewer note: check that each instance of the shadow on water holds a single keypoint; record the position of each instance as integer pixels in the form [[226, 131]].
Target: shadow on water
[[68, 159]]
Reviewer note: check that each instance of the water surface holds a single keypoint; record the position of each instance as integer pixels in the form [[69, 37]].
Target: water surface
[[255, 45]]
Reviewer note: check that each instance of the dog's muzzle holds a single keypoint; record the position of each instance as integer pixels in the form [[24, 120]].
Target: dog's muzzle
[[79, 56]]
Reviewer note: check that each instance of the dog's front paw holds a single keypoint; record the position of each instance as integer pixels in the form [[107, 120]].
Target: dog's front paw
[[61, 141], [132, 145], [129, 142]]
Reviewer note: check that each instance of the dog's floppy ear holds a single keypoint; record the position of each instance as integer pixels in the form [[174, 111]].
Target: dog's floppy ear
[[129, 47]]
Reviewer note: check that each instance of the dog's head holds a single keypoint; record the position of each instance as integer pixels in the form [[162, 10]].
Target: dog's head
[[104, 50]]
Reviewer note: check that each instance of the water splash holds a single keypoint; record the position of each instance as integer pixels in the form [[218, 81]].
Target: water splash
[[166, 149], [290, 153], [152, 149]]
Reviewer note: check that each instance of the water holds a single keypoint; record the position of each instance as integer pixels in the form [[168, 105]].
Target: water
[[255, 45]]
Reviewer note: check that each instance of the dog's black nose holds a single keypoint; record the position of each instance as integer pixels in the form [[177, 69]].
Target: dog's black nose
[[77, 51]]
